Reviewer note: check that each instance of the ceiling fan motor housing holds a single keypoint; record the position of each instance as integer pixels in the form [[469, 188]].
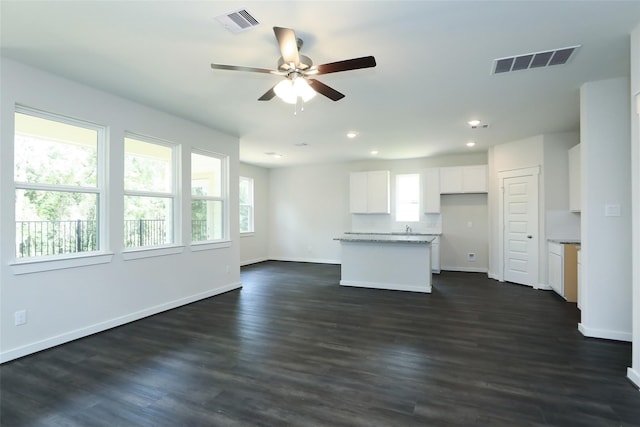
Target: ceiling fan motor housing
[[304, 64]]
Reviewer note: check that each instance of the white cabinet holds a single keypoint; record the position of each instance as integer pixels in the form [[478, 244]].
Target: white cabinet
[[556, 268], [575, 186], [463, 179], [435, 255], [431, 190], [563, 270], [369, 192]]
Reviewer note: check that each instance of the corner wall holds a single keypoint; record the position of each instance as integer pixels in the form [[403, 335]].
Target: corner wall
[[66, 304], [634, 371], [254, 246], [606, 238]]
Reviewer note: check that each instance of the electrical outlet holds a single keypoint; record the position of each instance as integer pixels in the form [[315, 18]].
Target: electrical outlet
[[20, 317], [471, 256]]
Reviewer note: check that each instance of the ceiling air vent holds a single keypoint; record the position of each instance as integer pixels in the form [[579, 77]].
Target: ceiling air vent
[[533, 60], [238, 20]]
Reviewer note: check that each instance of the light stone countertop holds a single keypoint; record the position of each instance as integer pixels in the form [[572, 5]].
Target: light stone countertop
[[386, 238], [565, 241]]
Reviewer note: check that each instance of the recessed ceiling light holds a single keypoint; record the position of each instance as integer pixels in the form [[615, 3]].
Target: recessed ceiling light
[[352, 134], [473, 123], [471, 143], [374, 152], [272, 154]]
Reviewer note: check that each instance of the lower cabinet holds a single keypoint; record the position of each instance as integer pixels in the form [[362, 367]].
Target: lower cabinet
[[435, 255], [563, 270]]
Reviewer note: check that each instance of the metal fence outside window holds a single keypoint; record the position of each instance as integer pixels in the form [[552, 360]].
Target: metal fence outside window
[[41, 238]]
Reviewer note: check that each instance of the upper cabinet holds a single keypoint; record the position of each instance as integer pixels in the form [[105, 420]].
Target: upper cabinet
[[431, 190], [369, 192], [463, 179], [575, 186]]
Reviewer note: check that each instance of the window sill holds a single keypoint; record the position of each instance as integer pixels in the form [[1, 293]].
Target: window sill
[[205, 246], [41, 264], [247, 234], [139, 253]]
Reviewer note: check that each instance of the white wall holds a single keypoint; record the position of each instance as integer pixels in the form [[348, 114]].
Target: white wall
[[254, 246], [606, 180], [465, 229], [521, 154], [550, 153], [69, 303], [309, 206], [634, 370]]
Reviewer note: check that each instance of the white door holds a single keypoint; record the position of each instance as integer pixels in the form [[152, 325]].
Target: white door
[[520, 228]]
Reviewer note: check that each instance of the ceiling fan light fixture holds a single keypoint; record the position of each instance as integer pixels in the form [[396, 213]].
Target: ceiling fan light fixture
[[290, 89], [303, 89], [285, 91]]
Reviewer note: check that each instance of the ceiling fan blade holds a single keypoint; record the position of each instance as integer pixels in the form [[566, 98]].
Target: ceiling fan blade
[[346, 65], [268, 95], [288, 45], [325, 90], [240, 68]]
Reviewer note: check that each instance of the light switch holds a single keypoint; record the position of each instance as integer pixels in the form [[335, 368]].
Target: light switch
[[612, 210]]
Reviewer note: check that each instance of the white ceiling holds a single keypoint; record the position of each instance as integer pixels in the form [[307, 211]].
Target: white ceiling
[[433, 74]]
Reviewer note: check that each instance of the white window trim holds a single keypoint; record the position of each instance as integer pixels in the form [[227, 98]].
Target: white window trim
[[136, 252], [224, 198], [41, 264], [252, 206], [56, 262]]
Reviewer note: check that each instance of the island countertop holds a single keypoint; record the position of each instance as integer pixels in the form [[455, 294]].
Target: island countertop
[[386, 238]]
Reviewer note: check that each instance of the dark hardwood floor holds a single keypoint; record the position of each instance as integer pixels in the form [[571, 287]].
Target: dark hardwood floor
[[294, 348]]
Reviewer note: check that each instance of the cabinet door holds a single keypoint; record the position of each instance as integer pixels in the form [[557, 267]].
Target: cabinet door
[[431, 190], [451, 180], [378, 192], [574, 179], [474, 179], [358, 192], [555, 273], [435, 255]]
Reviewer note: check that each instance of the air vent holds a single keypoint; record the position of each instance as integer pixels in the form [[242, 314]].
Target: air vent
[[238, 21], [533, 60]]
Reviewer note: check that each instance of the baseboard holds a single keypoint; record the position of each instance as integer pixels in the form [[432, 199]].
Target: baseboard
[[543, 287], [634, 377], [495, 276], [310, 260], [465, 269], [387, 286], [109, 324], [605, 334], [253, 261]]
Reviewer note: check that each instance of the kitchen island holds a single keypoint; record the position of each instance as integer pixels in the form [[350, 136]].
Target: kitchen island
[[387, 261]]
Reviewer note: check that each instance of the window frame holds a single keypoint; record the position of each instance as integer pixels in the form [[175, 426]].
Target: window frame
[[251, 205], [36, 263], [223, 199], [134, 252]]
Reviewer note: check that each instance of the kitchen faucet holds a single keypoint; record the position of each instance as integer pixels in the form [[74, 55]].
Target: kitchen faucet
[[407, 229]]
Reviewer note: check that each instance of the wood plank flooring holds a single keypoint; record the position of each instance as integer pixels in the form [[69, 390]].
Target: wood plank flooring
[[294, 348]]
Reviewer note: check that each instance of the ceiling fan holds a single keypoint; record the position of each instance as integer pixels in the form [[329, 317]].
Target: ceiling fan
[[297, 69]]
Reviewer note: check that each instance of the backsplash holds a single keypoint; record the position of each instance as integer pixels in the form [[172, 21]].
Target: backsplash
[[373, 223]]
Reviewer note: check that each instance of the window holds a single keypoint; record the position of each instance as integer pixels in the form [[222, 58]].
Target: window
[[150, 192], [246, 205], [208, 197], [58, 170], [408, 197]]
